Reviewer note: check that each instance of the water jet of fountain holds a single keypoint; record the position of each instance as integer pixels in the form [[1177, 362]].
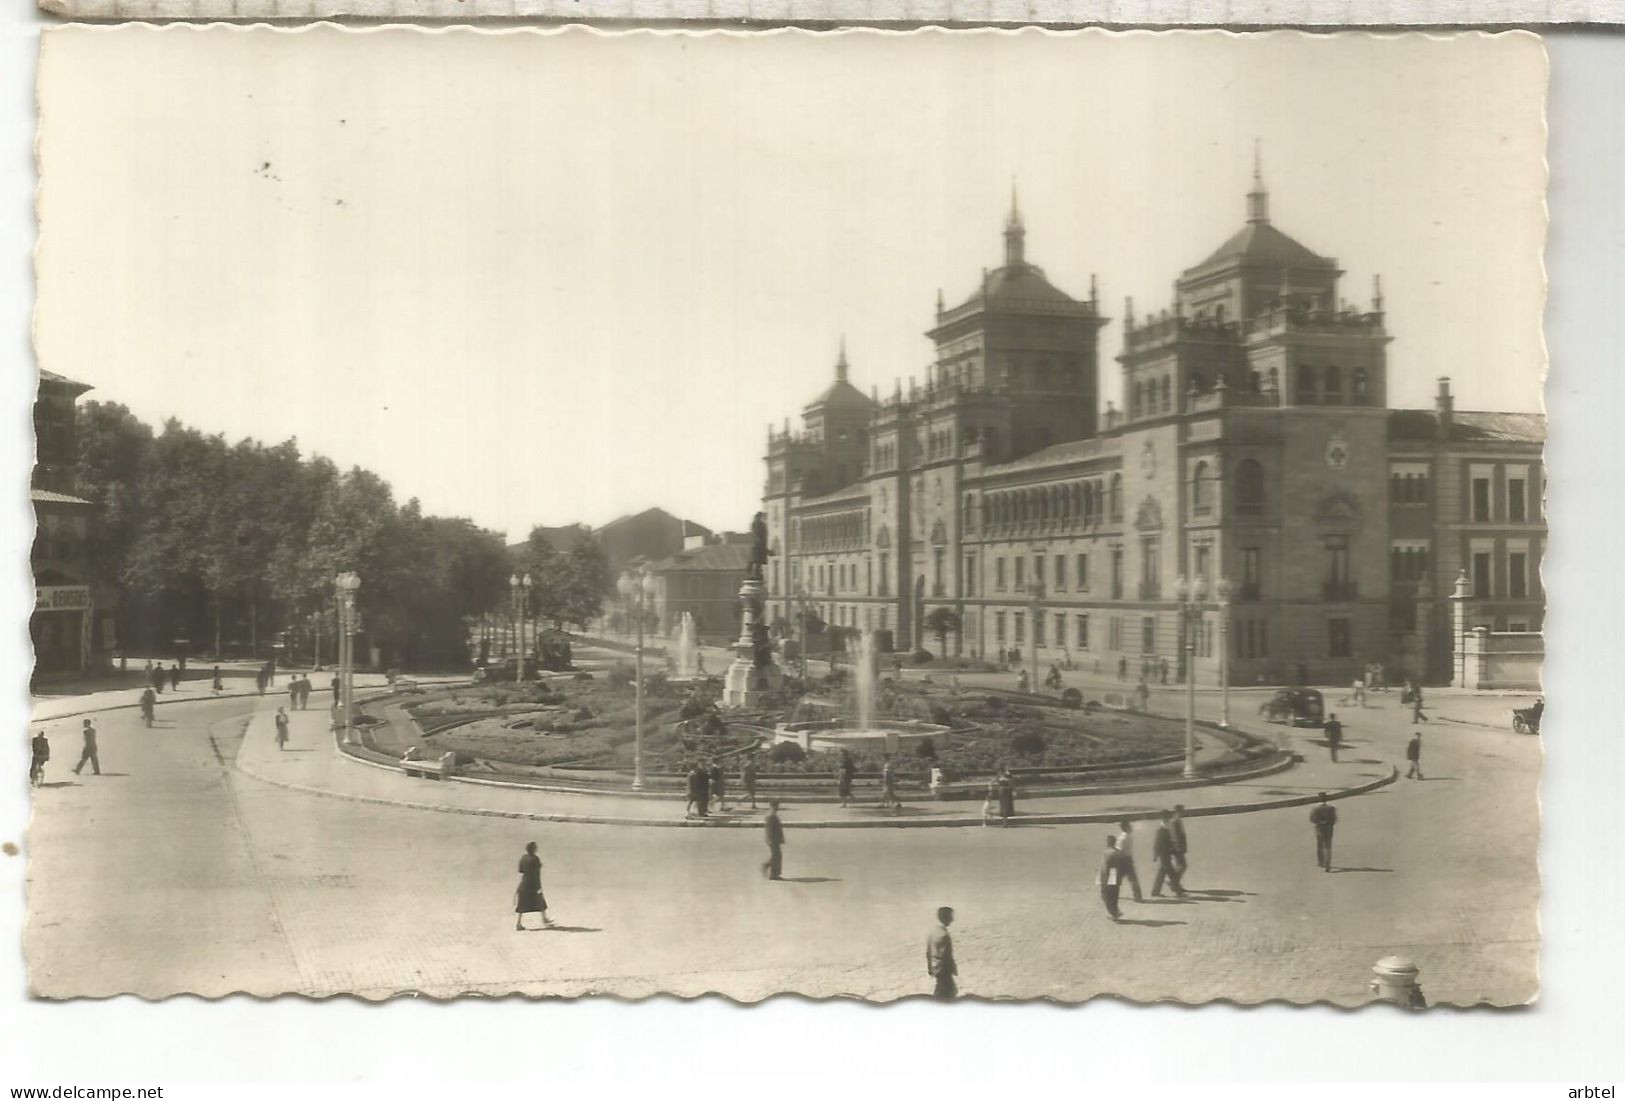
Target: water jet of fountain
[[687, 645]]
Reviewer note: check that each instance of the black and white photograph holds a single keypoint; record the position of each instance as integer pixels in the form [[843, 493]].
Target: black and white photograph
[[951, 516]]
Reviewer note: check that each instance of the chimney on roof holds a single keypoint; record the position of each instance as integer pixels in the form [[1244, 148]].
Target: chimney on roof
[[1444, 407]]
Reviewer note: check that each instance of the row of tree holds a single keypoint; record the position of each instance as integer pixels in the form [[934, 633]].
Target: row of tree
[[235, 546]]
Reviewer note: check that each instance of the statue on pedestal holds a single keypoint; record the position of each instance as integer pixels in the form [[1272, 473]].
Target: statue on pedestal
[[758, 546]]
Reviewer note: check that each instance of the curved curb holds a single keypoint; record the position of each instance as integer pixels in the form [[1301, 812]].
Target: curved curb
[[1112, 817], [211, 698]]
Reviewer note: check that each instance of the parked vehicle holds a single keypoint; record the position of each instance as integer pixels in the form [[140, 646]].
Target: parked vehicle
[[1526, 720], [1295, 707]]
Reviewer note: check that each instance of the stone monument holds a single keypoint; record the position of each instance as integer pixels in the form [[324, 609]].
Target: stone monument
[[753, 673]]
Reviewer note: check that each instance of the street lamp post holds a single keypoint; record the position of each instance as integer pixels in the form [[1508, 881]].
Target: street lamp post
[[635, 585], [1038, 595], [1222, 592], [1190, 594], [347, 584], [520, 584]]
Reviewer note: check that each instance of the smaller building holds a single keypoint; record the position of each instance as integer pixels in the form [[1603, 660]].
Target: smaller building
[[72, 628], [703, 580]]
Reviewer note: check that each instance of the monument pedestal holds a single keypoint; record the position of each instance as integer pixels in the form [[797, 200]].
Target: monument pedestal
[[750, 677]]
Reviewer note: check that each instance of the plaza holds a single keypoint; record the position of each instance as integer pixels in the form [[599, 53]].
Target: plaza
[[305, 871]]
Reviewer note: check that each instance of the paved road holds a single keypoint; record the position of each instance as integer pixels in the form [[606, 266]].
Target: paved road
[[175, 872]]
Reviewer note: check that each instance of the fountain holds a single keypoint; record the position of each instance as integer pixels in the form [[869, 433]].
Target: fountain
[[686, 650], [863, 730]]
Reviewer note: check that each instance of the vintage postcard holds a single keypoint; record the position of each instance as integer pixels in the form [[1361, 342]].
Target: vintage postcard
[[994, 515]]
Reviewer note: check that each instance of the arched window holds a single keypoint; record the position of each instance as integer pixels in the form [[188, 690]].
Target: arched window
[[1249, 486], [1306, 385], [1358, 391], [1116, 504], [1134, 399], [1078, 508], [1334, 386], [1200, 501]]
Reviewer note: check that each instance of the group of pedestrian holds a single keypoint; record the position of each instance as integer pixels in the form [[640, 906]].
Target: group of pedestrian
[[299, 692], [39, 754], [265, 676], [1169, 850], [158, 676], [708, 781], [1001, 798]]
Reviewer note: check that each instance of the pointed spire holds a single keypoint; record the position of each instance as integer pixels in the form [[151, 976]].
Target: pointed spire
[[1128, 311], [1094, 290], [1376, 294], [1015, 234], [840, 363], [939, 299], [1258, 200]]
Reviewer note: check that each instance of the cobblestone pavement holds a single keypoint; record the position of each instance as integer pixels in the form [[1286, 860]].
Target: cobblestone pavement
[[174, 871]]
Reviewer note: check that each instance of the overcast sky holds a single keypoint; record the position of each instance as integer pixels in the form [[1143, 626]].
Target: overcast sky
[[556, 277]]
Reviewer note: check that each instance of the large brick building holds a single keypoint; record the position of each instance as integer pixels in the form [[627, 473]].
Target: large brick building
[[1256, 445]]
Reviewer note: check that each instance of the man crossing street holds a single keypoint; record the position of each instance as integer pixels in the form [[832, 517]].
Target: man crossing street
[[1162, 851], [87, 755], [773, 867], [1334, 735], [1413, 754], [1324, 819], [939, 957]]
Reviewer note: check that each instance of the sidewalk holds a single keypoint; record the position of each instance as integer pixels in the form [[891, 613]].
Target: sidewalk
[[313, 764], [50, 708]]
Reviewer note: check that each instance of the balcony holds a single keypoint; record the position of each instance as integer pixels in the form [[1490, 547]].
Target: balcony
[[1338, 591]]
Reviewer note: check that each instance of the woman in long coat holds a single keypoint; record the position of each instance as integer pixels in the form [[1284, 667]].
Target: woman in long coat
[[843, 777], [528, 899], [1007, 795]]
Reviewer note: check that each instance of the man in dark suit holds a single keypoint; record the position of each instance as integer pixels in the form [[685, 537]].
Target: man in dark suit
[[1176, 828], [773, 867], [1162, 851], [1334, 734], [1413, 754], [1324, 819], [939, 957]]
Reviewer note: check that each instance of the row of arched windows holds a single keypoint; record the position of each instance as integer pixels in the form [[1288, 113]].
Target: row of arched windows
[[1150, 397], [829, 531], [1324, 386], [1250, 489], [1077, 503]]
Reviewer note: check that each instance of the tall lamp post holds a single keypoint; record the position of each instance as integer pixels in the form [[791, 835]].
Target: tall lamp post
[[1190, 595], [636, 585], [347, 584], [1222, 592], [801, 629], [520, 584], [1038, 595]]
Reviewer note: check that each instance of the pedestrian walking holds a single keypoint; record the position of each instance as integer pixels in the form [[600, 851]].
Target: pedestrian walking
[[1176, 828], [175, 677], [304, 691], [939, 957], [1022, 683], [147, 672], [1413, 754], [1163, 668], [1110, 878], [1357, 692], [281, 728], [888, 785], [1416, 705], [1122, 668], [747, 779], [270, 671], [87, 755], [1334, 734], [1162, 851], [1142, 696], [1007, 796], [692, 809], [149, 701], [703, 802], [158, 678], [39, 753], [773, 867], [1125, 851], [259, 680], [217, 685], [528, 899], [338, 693], [719, 785], [990, 805], [843, 777], [1324, 819]]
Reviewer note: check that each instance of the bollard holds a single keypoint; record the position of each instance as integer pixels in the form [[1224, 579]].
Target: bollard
[[1396, 982]]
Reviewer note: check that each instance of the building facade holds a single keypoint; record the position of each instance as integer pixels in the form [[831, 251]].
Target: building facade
[[1256, 446], [72, 626], [703, 581]]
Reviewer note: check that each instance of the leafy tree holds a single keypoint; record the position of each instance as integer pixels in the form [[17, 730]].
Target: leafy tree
[[942, 622], [114, 450]]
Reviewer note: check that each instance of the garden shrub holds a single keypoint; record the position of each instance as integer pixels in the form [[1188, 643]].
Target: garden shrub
[[927, 749], [620, 675], [583, 675], [996, 704], [921, 657], [1029, 743], [941, 715], [787, 751], [1072, 698]]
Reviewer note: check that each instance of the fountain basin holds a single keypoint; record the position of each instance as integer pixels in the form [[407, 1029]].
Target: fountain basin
[[892, 735]]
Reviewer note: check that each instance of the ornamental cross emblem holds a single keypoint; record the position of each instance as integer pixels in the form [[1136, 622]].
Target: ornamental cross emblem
[[1337, 453]]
